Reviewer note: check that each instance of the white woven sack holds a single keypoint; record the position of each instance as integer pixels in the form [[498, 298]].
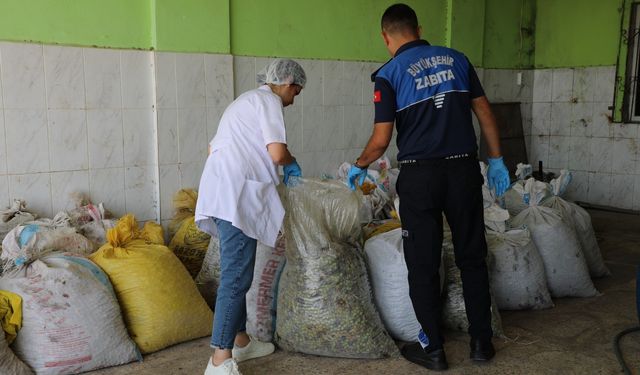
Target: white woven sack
[[9, 363], [517, 278], [262, 296], [390, 283], [71, 319]]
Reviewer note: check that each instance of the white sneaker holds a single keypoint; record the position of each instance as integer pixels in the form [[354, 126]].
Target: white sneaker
[[228, 367], [254, 349]]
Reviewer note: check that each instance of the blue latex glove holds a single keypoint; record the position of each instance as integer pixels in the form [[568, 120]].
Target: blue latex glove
[[291, 169], [356, 173], [498, 176]]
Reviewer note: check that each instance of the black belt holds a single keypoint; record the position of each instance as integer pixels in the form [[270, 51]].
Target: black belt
[[430, 161]]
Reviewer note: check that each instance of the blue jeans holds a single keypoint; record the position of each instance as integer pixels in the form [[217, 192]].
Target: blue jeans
[[237, 258]]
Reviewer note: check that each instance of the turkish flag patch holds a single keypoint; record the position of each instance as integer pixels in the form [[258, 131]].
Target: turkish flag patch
[[377, 96]]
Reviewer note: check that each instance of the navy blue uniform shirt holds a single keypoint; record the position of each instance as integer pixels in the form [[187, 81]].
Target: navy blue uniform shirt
[[427, 91]]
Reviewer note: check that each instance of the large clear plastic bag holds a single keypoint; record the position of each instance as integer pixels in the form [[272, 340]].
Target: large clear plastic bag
[[325, 304]]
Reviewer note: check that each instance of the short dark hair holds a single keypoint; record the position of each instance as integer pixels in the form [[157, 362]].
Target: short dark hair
[[400, 18]]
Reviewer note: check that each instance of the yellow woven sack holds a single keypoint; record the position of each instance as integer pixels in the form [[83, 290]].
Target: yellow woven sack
[[187, 241], [10, 314], [372, 230], [160, 302]]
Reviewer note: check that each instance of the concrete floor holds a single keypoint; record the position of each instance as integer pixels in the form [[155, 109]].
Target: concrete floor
[[573, 338]]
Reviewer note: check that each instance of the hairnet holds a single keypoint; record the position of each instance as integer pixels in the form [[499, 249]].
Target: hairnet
[[282, 72]]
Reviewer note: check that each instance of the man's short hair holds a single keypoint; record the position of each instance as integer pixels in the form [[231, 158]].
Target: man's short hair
[[400, 18]]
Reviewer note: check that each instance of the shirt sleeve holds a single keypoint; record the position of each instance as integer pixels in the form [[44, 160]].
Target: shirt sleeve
[[271, 120], [384, 99], [475, 87]]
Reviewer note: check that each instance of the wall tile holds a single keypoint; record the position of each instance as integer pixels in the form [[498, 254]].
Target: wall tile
[[27, 141], [315, 164], [137, 79], [602, 126], [23, 81], [192, 134], [218, 80], [139, 137], [3, 146], [293, 125], [166, 91], [599, 188], [244, 74], [491, 84], [582, 119], [35, 189], [625, 154], [542, 85], [313, 89], [560, 119], [526, 116], [622, 191], [625, 130], [190, 80], [4, 191], [605, 83], [169, 185], [140, 192], [601, 155], [334, 125], [584, 80], [578, 189], [64, 76], [168, 149], [636, 193], [190, 174], [354, 77], [312, 122], [102, 78], [107, 186], [524, 91], [539, 149], [105, 138], [562, 85], [541, 118], [335, 86], [559, 149], [353, 126], [63, 184], [580, 153], [68, 139]]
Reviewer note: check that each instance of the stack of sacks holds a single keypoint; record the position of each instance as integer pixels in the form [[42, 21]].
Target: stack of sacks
[[11, 320], [454, 312], [187, 241], [565, 265], [14, 216], [517, 275], [262, 296], [324, 298], [160, 302], [92, 221], [71, 318], [580, 220]]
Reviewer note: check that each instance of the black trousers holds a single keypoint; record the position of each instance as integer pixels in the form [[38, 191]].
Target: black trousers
[[427, 190]]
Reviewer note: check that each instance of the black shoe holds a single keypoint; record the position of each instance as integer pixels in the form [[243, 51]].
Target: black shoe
[[481, 350], [433, 360]]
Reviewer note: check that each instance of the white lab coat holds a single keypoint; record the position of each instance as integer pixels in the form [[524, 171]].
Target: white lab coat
[[239, 179]]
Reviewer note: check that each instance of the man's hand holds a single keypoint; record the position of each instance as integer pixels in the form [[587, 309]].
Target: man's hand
[[291, 169], [356, 173], [498, 175]]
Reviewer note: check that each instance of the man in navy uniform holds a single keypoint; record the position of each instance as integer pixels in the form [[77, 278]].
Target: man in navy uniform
[[429, 92]]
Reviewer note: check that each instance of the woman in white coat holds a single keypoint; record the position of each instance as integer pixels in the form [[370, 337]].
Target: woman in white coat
[[238, 200]]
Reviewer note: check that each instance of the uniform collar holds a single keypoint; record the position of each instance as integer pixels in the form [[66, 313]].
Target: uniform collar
[[411, 44], [404, 47]]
